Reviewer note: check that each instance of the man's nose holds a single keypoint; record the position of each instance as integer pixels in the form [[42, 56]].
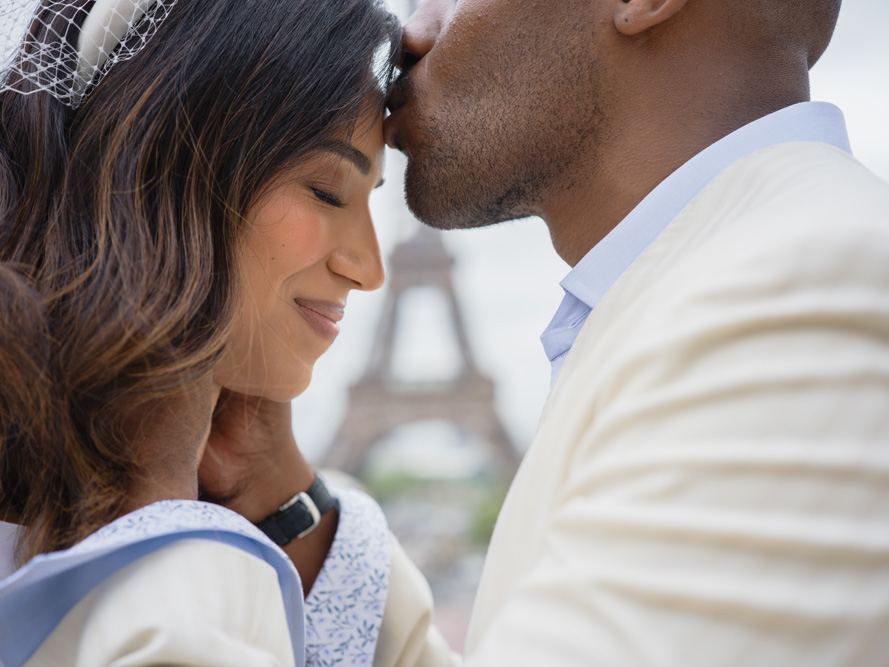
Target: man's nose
[[422, 29]]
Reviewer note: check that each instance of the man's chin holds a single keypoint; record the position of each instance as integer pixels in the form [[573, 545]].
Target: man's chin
[[446, 208], [436, 212]]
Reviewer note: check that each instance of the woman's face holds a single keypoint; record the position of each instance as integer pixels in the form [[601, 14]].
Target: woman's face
[[309, 242]]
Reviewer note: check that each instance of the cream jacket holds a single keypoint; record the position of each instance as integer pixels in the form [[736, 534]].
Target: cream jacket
[[709, 483]]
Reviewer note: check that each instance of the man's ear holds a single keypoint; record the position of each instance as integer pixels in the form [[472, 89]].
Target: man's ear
[[632, 17]]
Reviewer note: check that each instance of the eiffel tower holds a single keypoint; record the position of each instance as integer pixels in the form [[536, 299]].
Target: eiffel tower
[[380, 401]]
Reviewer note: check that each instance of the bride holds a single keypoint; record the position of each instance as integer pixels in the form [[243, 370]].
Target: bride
[[183, 212]]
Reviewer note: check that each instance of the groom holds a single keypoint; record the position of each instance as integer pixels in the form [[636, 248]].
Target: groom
[[709, 484]]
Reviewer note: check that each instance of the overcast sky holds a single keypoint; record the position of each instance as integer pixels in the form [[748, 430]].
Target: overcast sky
[[507, 276]]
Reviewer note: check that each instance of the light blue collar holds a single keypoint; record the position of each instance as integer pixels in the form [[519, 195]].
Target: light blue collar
[[35, 598], [603, 265]]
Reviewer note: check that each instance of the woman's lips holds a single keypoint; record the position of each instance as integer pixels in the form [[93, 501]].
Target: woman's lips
[[322, 316]]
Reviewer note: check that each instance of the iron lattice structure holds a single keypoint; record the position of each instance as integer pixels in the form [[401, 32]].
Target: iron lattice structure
[[380, 402]]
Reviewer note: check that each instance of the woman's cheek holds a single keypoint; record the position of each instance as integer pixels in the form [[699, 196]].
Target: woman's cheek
[[303, 240]]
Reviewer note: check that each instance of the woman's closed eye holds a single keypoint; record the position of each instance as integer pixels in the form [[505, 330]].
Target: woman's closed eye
[[328, 198]]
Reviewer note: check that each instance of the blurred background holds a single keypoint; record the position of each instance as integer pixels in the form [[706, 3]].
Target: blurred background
[[474, 352], [433, 389]]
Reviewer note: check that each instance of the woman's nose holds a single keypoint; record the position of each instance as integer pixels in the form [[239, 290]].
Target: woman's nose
[[422, 29], [358, 257]]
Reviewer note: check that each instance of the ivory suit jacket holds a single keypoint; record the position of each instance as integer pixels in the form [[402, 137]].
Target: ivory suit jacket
[[709, 483]]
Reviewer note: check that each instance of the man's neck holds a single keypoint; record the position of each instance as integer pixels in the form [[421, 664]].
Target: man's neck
[[651, 140]]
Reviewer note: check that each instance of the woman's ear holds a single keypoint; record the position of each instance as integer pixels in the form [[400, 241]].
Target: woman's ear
[[632, 17]]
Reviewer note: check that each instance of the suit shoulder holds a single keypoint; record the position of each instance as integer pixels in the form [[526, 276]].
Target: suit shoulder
[[794, 213], [809, 186]]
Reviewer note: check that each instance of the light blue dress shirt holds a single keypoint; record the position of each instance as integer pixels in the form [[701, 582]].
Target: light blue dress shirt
[[603, 265]]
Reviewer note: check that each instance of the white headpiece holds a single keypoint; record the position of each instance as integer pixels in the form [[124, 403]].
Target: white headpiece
[[36, 39]]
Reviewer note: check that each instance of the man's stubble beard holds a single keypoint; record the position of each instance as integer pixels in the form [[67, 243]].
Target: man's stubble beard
[[492, 153]]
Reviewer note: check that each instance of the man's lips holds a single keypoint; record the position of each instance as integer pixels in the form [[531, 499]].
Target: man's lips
[[398, 96], [398, 93], [322, 316], [390, 135]]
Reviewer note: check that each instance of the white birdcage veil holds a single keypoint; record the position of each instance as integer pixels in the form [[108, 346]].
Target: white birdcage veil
[[65, 47]]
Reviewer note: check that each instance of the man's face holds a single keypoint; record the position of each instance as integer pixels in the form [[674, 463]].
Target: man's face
[[499, 98]]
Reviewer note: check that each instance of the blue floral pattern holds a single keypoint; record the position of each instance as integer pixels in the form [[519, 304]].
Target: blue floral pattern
[[169, 516], [344, 609]]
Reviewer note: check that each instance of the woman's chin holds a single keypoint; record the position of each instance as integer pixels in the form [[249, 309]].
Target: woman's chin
[[279, 390]]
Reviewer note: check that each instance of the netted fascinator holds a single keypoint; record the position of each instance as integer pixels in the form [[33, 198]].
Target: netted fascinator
[[65, 48]]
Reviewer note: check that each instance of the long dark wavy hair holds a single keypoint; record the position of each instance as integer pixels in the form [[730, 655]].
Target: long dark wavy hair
[[120, 222]]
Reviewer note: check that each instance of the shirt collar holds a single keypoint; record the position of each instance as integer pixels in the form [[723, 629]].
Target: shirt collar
[[599, 269]]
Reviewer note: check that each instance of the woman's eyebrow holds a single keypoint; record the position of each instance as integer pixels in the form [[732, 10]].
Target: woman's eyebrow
[[350, 153]]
